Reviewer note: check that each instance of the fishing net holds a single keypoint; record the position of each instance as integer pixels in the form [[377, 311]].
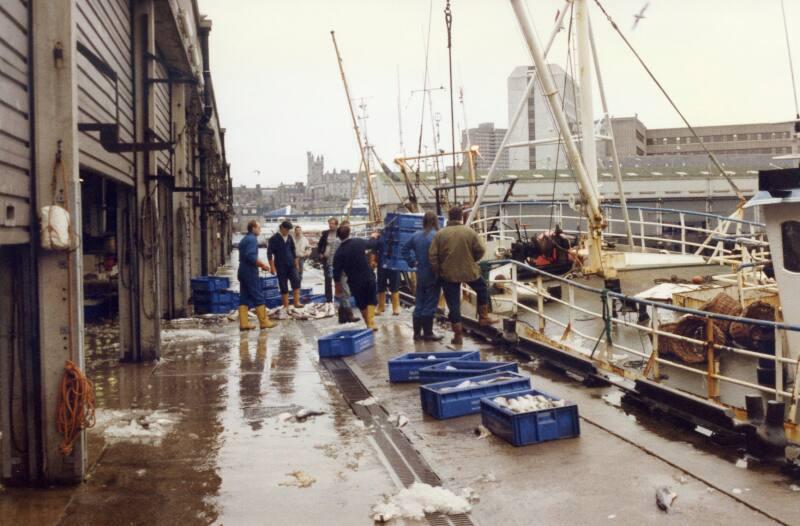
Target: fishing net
[[723, 304], [695, 327], [748, 335]]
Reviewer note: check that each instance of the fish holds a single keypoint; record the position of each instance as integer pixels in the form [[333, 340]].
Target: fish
[[302, 414], [665, 497]]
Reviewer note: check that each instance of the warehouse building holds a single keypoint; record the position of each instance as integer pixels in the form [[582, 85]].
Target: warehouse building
[[107, 117]]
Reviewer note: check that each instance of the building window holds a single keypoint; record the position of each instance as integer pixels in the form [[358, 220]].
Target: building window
[[790, 238], [639, 151], [650, 142], [640, 136]]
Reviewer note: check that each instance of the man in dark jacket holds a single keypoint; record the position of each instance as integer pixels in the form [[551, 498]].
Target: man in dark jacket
[[283, 261], [454, 255], [250, 291], [351, 259], [327, 261]]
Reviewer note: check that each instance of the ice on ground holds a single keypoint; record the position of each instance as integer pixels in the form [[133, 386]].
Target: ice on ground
[[418, 499], [368, 401], [141, 426]]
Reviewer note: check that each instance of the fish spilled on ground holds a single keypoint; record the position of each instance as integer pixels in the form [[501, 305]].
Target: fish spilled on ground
[[303, 414], [481, 432], [528, 403], [368, 401], [418, 499], [399, 419], [665, 497]]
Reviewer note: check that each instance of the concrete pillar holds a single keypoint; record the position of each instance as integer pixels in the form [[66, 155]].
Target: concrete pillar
[[60, 273], [148, 302], [180, 207]]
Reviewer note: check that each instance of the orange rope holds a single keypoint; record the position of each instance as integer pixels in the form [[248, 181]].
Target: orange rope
[[75, 406]]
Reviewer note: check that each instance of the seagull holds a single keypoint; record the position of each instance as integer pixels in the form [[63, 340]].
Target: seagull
[[640, 15]]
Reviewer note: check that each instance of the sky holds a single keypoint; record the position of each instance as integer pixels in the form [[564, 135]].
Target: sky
[[280, 94]]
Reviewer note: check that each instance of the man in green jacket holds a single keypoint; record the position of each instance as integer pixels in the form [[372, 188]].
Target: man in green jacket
[[454, 255]]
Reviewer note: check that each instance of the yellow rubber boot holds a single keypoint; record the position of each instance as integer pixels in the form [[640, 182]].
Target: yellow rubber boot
[[395, 303], [244, 322], [285, 298], [297, 304], [381, 303], [263, 319], [371, 317]]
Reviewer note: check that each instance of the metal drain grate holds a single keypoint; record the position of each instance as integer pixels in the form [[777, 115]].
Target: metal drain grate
[[405, 461]]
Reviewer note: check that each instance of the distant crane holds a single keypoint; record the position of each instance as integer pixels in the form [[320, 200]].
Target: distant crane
[[639, 16]]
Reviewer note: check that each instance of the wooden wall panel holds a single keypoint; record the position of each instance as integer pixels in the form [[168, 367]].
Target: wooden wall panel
[[15, 118], [104, 26], [161, 124]]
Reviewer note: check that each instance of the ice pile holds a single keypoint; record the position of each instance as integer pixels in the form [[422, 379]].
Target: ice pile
[[527, 403], [415, 501], [172, 335], [141, 426]]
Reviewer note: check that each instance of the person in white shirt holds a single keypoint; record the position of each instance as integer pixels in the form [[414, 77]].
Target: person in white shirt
[[302, 249]]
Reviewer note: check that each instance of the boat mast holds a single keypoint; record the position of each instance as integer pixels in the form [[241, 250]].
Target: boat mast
[[586, 183], [374, 212]]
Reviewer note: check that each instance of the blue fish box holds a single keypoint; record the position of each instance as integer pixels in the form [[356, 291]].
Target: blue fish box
[[210, 283], [345, 343], [522, 429], [203, 297], [273, 302], [447, 400], [441, 372], [305, 292], [405, 368], [272, 293], [270, 282]]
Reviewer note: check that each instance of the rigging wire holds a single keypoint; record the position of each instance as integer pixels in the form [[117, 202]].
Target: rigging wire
[[661, 88], [791, 65], [425, 87]]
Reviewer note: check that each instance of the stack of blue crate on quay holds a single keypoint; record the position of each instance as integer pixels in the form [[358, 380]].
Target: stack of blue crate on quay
[[272, 294], [397, 230], [210, 295]]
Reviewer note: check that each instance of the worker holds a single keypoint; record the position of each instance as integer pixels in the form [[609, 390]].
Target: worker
[[388, 279], [250, 291], [415, 251], [351, 259], [454, 255], [302, 248], [325, 253], [282, 258]]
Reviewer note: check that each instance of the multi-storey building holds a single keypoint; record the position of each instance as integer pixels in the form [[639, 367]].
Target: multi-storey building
[[488, 139], [537, 122]]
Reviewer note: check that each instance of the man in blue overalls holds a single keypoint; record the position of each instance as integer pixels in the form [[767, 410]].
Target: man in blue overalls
[[282, 258], [426, 297], [250, 292]]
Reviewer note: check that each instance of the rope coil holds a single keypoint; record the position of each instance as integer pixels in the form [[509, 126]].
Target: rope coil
[[75, 410]]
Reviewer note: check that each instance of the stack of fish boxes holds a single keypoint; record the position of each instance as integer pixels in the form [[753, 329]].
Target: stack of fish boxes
[[272, 293], [210, 295], [397, 230]]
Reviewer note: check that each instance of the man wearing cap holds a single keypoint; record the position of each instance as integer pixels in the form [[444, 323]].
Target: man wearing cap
[[283, 262]]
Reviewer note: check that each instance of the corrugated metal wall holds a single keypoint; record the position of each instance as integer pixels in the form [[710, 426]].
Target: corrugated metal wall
[[104, 26], [15, 151]]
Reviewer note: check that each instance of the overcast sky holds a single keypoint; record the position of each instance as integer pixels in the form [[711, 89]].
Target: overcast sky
[[279, 92]]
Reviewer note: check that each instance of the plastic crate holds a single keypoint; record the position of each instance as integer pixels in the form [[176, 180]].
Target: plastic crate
[[272, 293], [522, 429], [271, 303], [444, 400], [398, 264], [412, 221], [235, 298], [269, 282], [212, 308], [210, 283], [305, 292], [345, 343], [314, 298], [405, 368], [222, 297], [452, 370]]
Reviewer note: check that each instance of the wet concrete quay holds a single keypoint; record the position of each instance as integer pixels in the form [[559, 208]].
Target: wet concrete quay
[[204, 437]]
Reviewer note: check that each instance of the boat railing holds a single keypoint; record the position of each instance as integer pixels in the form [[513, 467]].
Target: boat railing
[[717, 239], [614, 332]]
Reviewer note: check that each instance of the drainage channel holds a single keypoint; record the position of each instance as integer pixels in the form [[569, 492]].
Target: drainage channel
[[403, 459]]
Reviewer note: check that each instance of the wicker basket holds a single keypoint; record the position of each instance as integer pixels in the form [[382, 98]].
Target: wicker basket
[[748, 335], [723, 304], [694, 327], [665, 343]]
